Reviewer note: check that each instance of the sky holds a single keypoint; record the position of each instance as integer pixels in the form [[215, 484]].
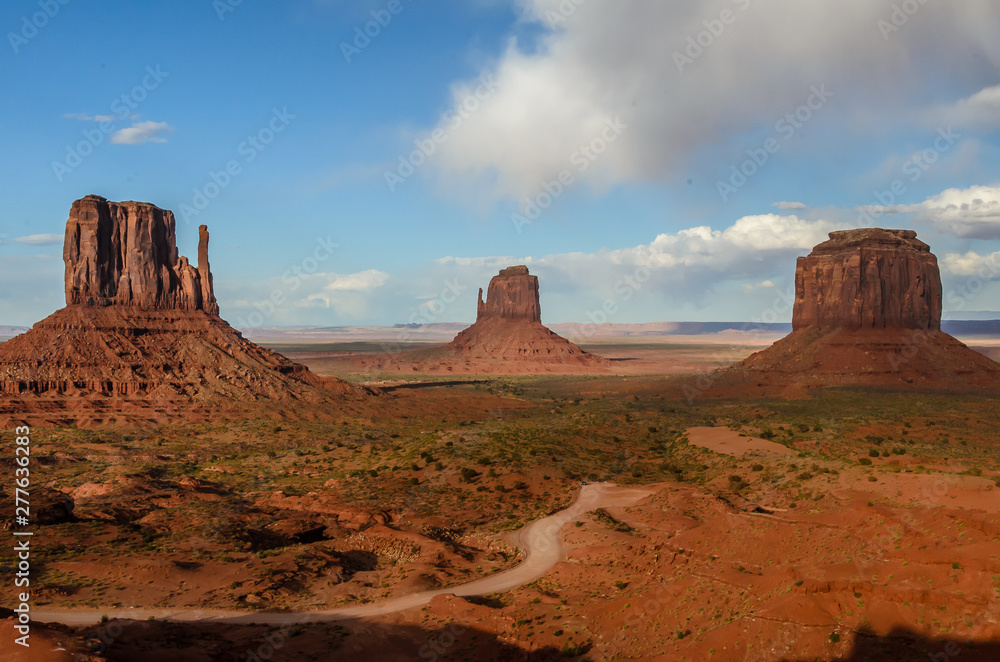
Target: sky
[[375, 162]]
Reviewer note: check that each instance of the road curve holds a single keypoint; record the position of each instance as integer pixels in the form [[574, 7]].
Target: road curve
[[541, 541]]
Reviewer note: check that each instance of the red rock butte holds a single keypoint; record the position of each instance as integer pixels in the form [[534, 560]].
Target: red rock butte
[[868, 279], [867, 313], [140, 339], [509, 327], [507, 338]]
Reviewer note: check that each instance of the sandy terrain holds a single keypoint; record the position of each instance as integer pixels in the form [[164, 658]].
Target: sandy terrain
[[730, 442]]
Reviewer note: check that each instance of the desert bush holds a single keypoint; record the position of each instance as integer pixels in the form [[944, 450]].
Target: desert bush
[[757, 467], [604, 517], [865, 461], [873, 453]]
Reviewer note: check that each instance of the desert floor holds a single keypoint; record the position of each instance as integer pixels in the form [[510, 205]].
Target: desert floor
[[848, 525]]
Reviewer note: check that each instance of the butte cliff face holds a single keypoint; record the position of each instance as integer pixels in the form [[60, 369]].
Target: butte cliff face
[[868, 279], [867, 312], [125, 254], [140, 338], [512, 295]]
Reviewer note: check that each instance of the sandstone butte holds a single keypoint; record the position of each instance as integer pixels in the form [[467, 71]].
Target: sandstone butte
[[509, 329], [508, 337], [867, 312], [141, 340]]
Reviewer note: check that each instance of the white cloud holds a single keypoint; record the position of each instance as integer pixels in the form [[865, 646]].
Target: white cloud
[[364, 281], [611, 59], [142, 132], [970, 264], [83, 117], [973, 212], [790, 206], [684, 265], [41, 240]]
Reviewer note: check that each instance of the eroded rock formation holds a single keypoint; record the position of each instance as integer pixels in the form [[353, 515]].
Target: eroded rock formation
[[126, 254], [140, 336], [512, 295], [868, 279], [867, 312], [509, 327]]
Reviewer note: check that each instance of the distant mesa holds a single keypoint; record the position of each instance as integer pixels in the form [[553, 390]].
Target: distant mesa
[[140, 338], [867, 312], [509, 327]]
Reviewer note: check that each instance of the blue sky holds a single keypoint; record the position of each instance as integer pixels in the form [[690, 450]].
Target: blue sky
[[595, 141]]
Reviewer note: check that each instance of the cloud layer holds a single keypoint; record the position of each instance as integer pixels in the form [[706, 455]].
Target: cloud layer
[[687, 78]]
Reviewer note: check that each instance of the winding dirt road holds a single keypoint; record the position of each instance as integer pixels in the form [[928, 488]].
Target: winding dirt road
[[541, 541]]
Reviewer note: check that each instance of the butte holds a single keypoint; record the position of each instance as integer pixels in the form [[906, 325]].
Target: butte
[[140, 339], [867, 312], [508, 337]]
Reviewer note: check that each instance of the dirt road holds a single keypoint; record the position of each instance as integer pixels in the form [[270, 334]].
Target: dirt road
[[541, 541]]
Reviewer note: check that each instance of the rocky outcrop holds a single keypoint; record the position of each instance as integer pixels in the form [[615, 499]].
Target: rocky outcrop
[[126, 254], [509, 328], [140, 340], [868, 279], [512, 295], [507, 338], [867, 313]]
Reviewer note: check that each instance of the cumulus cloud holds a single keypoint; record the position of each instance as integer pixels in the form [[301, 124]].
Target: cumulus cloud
[[682, 266], [40, 240], [790, 206], [606, 60], [973, 212], [970, 264], [142, 132]]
